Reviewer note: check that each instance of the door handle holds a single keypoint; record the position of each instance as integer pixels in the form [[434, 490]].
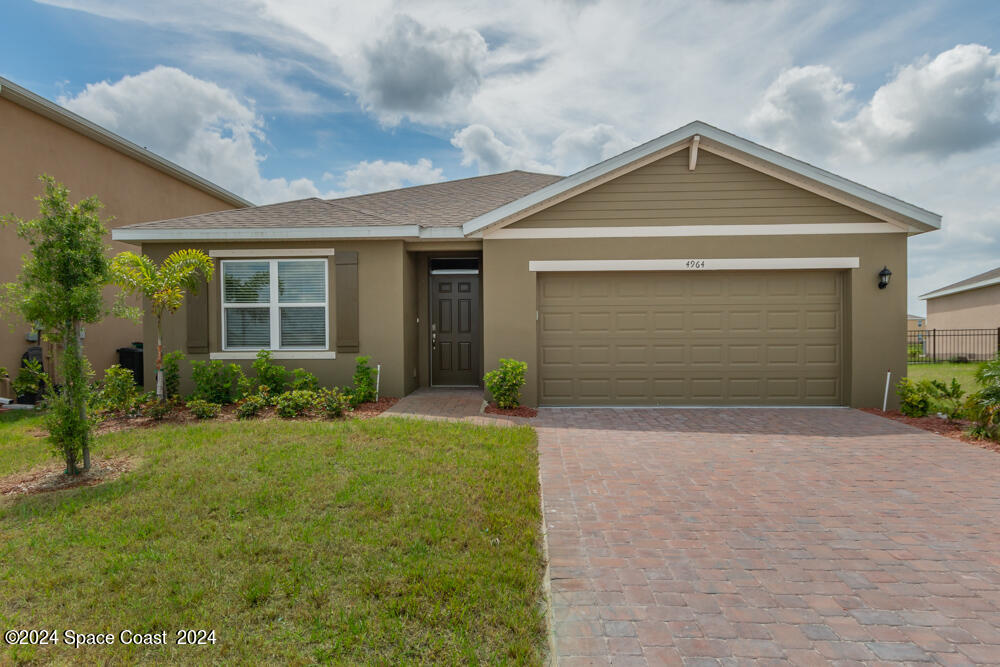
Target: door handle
[[434, 340]]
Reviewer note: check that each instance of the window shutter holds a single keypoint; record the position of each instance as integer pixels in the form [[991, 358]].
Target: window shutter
[[346, 278], [196, 306]]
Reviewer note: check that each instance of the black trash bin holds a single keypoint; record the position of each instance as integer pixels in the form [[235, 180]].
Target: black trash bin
[[131, 358], [33, 353]]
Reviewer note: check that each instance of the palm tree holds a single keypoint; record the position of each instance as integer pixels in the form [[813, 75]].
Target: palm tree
[[164, 286]]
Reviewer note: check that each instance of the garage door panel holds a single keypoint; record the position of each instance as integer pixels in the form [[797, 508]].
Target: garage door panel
[[674, 338]]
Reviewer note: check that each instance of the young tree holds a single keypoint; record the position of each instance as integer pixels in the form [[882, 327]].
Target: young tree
[[60, 289], [163, 286]]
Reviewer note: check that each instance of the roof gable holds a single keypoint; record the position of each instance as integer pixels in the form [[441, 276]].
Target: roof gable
[[985, 279], [730, 146]]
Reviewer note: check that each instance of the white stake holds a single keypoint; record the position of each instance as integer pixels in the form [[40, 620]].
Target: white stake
[[885, 399], [378, 379]]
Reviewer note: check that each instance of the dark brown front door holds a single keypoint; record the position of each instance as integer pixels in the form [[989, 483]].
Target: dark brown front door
[[455, 329]]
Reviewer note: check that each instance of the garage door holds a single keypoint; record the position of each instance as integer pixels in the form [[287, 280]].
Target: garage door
[[648, 338]]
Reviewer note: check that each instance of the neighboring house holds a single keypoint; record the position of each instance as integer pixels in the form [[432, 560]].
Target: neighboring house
[[698, 268], [915, 323], [973, 303], [135, 185]]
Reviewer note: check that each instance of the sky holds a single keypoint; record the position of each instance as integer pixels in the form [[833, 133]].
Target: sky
[[284, 99]]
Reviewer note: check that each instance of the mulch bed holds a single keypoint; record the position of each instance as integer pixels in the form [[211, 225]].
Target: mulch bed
[[520, 411], [955, 429], [52, 477]]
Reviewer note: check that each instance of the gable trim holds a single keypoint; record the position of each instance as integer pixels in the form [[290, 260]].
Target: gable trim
[[657, 231], [957, 290], [694, 265], [913, 217]]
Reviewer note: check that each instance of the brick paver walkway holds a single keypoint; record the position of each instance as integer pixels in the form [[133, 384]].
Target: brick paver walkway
[[742, 536], [449, 404]]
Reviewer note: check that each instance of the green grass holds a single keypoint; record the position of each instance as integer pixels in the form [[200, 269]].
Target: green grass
[[964, 373], [382, 541], [22, 441]]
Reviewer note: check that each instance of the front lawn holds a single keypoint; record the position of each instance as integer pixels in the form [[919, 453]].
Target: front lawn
[[964, 373], [381, 541]]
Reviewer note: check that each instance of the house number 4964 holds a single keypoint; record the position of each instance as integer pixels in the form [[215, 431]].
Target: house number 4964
[[694, 264]]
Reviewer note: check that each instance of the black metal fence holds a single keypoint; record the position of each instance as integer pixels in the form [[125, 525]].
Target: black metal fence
[[928, 346]]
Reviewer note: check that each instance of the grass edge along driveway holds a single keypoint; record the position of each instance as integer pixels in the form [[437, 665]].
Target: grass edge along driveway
[[387, 541]]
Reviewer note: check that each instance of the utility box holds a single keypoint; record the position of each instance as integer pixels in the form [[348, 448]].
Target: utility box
[[131, 358]]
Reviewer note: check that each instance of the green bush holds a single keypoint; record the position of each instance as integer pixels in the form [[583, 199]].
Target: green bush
[[504, 383], [118, 392], [295, 403], [303, 380], [914, 397], [172, 373], [948, 398], [364, 382], [251, 406], [271, 375], [158, 410], [216, 382], [31, 379], [985, 403], [334, 402], [203, 409]]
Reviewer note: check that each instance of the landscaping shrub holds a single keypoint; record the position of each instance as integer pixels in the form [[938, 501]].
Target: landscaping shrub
[[303, 380], [334, 402], [985, 403], [203, 409], [216, 382], [118, 392], [504, 383], [364, 382], [172, 373], [31, 380], [914, 397], [251, 406], [271, 375], [295, 403], [948, 398], [158, 410]]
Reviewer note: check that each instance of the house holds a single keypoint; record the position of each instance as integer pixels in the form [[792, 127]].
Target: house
[[135, 185], [698, 268], [973, 303], [915, 323]]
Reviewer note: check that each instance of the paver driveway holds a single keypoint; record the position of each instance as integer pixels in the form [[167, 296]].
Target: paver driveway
[[735, 535]]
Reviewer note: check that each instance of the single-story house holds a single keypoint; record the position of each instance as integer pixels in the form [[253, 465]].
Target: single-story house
[[915, 323], [973, 303], [134, 184], [699, 268]]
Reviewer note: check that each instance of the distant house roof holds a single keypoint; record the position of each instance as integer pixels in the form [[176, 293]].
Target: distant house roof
[[438, 209], [915, 317], [985, 279], [43, 107]]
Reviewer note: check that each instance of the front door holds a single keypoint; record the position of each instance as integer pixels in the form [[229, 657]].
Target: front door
[[455, 329]]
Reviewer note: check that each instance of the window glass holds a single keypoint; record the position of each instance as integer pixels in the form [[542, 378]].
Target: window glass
[[248, 327], [301, 282], [303, 327], [246, 282]]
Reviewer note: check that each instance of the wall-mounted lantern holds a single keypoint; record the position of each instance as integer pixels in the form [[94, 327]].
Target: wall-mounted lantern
[[883, 277]]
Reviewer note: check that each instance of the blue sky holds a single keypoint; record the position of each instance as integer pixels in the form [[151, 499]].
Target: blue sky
[[281, 99]]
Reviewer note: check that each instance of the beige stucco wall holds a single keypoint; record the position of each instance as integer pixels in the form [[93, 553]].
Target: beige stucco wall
[[130, 190], [875, 318], [975, 309], [386, 320]]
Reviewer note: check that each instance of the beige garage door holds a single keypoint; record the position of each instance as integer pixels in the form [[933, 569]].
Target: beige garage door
[[648, 338]]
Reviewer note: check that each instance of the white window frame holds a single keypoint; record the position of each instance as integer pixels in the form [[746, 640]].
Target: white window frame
[[274, 305]]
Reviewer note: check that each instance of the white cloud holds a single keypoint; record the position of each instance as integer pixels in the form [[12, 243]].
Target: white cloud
[[195, 123], [482, 148], [577, 149], [379, 175]]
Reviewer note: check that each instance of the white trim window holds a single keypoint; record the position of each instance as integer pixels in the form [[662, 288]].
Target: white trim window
[[275, 304]]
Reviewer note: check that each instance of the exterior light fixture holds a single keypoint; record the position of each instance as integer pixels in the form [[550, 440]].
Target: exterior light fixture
[[883, 277]]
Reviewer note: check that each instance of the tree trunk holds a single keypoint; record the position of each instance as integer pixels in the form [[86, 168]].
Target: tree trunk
[[80, 396], [159, 359]]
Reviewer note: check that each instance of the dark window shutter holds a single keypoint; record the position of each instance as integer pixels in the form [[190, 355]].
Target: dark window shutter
[[197, 321], [346, 279]]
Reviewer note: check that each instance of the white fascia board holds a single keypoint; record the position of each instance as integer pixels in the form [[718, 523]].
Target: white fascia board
[[962, 288], [677, 139], [275, 354], [696, 264], [655, 231], [264, 233], [441, 233], [271, 252]]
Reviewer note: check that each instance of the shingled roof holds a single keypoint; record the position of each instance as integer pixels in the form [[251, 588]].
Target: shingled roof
[[985, 279], [447, 204]]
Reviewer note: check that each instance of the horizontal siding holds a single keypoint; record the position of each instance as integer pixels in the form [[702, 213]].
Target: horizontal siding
[[718, 191]]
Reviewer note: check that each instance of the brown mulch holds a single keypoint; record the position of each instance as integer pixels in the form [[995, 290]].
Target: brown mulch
[[373, 409], [53, 478], [955, 429], [520, 411]]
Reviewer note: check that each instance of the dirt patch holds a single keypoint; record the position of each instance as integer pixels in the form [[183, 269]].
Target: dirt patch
[[955, 429], [53, 478], [520, 411]]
